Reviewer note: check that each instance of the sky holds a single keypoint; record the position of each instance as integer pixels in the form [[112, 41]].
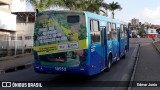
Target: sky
[[144, 10]]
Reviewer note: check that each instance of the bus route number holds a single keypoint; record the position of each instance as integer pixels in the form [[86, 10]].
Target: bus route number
[[60, 68]]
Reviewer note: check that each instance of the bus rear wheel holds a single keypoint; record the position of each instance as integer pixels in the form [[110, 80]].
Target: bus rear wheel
[[124, 56], [109, 63]]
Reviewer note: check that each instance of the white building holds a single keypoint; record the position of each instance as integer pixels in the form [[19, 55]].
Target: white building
[[151, 33], [21, 6], [7, 26], [24, 25], [16, 26]]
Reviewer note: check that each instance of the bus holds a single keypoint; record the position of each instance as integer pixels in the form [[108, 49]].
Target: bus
[[71, 42]]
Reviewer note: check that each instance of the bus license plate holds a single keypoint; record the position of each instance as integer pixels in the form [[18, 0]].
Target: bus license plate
[[60, 68]]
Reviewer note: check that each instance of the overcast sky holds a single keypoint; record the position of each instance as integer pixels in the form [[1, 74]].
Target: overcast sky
[[144, 10]]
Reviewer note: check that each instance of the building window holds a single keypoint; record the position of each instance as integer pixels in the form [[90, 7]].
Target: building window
[[28, 37], [12, 37], [19, 37], [151, 31]]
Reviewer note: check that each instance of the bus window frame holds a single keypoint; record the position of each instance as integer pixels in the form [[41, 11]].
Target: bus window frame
[[122, 31], [114, 30], [109, 32], [91, 20]]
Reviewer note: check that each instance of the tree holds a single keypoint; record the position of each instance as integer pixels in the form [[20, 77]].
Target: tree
[[44, 4], [93, 5], [83, 5], [105, 8], [78, 5], [113, 7]]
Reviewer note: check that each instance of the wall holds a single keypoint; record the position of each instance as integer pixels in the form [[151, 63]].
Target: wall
[[19, 6], [24, 35], [7, 21]]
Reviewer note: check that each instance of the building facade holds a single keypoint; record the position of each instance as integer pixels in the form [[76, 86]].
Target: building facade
[[24, 25], [151, 33], [16, 27], [135, 22], [7, 26]]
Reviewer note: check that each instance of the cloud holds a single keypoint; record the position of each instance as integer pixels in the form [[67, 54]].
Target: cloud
[[152, 15]]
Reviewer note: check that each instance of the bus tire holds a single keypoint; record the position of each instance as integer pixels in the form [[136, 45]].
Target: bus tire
[[109, 63], [125, 52]]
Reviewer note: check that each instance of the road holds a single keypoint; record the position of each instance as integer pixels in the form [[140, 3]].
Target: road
[[118, 72], [148, 67]]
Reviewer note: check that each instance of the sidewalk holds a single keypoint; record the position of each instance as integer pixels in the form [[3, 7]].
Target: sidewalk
[[11, 63]]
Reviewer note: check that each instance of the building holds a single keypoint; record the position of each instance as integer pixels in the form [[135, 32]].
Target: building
[[24, 31], [24, 25], [16, 27], [135, 22], [18, 5], [155, 26], [7, 26], [151, 33]]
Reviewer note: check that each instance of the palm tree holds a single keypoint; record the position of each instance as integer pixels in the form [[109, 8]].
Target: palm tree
[[80, 5], [114, 6], [92, 5], [105, 8], [44, 4], [70, 4], [95, 6], [83, 5]]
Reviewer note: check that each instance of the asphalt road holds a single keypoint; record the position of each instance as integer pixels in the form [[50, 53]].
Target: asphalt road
[[118, 72], [148, 67]]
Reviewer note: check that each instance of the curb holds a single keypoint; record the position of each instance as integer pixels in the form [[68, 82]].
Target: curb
[[135, 56], [12, 57], [13, 69], [155, 47]]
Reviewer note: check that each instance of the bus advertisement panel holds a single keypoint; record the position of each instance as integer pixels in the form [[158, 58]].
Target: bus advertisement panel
[[60, 39]]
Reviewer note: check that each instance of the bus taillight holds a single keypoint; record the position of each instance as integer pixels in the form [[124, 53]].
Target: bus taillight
[[84, 58], [85, 54]]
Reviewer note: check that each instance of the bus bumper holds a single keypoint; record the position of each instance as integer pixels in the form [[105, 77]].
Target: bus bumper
[[62, 70]]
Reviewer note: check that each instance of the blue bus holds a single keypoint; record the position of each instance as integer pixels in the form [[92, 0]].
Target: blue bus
[[69, 42]]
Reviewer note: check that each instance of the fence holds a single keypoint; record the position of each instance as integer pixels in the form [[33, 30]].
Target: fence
[[14, 45], [18, 42]]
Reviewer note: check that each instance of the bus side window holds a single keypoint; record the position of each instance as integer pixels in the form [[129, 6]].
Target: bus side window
[[95, 32], [125, 31], [122, 31], [114, 31], [109, 31]]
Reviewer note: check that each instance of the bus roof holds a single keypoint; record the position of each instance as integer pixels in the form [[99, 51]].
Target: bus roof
[[89, 14]]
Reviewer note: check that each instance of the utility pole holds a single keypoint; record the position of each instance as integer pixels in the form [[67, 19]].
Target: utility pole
[[15, 44]]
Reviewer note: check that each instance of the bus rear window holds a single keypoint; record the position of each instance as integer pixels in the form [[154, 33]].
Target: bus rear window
[[73, 19]]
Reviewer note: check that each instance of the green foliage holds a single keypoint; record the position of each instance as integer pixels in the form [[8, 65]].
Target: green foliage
[[114, 6], [74, 56], [44, 4], [78, 5], [83, 33]]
